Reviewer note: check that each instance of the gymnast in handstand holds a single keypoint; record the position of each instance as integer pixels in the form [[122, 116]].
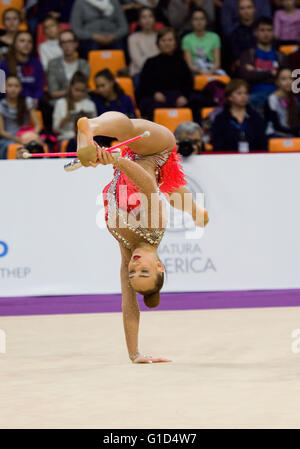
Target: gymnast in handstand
[[135, 212]]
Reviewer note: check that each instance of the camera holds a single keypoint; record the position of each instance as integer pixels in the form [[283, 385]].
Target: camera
[[185, 147], [34, 147]]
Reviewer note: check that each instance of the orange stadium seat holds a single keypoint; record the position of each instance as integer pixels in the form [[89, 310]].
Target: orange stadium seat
[[6, 4], [205, 112], [12, 150], [200, 81], [113, 60], [171, 118], [127, 86], [284, 144], [288, 49], [40, 117]]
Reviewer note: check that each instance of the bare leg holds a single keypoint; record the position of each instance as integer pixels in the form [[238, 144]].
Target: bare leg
[[119, 126]]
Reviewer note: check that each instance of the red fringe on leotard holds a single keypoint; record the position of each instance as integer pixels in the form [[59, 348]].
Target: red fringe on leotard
[[171, 174], [171, 177]]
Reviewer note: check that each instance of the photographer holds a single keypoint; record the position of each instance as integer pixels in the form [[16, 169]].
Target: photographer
[[189, 138]]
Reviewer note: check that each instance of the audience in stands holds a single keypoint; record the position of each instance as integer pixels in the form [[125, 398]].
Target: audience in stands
[[11, 19], [178, 13], [21, 63], [237, 35], [229, 13], [50, 49], [259, 65], [17, 116], [66, 109], [165, 79], [189, 138], [287, 22], [109, 96], [62, 69], [202, 48], [98, 24], [132, 8], [242, 38], [238, 127], [142, 44], [283, 108]]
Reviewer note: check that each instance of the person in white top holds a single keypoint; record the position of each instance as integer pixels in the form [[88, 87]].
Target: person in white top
[[142, 44], [50, 49], [67, 109]]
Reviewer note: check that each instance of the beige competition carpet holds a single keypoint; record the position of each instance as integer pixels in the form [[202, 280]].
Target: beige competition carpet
[[231, 369]]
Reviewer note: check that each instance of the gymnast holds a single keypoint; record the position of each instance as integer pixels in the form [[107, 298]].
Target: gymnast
[[135, 210]]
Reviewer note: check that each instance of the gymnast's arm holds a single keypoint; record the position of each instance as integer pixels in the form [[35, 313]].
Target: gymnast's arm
[[140, 176], [130, 307]]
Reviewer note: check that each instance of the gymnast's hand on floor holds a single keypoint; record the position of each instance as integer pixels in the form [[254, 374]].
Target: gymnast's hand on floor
[[103, 157], [149, 359]]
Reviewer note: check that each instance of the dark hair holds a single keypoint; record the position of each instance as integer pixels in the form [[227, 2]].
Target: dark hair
[[152, 297], [292, 108], [107, 74], [21, 103], [161, 33], [11, 10], [263, 21], [198, 9], [68, 31], [78, 77], [11, 55], [140, 12], [234, 85], [252, 1], [53, 20]]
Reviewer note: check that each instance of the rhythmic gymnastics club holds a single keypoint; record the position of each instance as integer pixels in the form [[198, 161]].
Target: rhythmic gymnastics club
[[27, 155]]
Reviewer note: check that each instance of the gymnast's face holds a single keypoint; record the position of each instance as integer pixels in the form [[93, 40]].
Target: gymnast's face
[[144, 266]]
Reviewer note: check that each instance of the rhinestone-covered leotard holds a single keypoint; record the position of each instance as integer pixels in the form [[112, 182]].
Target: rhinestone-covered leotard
[[114, 204]]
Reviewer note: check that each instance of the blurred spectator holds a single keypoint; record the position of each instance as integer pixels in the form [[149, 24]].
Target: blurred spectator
[[189, 138], [202, 49], [132, 8], [238, 127], [50, 49], [11, 19], [39, 10], [17, 115], [142, 44], [61, 70], [109, 96], [282, 108], [294, 61], [67, 108], [229, 13], [178, 12], [21, 63], [259, 65], [165, 79], [243, 38], [287, 22], [98, 24]]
